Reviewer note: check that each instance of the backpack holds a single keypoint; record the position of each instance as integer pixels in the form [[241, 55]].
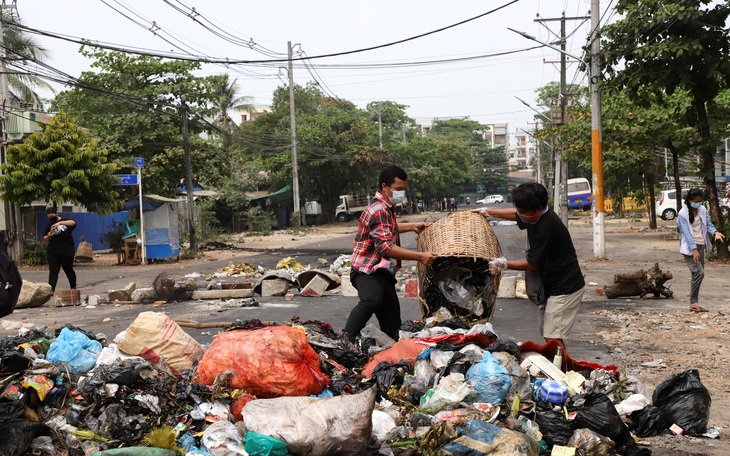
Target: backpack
[[10, 280]]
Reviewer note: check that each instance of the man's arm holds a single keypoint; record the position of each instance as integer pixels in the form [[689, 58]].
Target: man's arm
[[506, 214], [399, 253], [412, 226], [521, 265]]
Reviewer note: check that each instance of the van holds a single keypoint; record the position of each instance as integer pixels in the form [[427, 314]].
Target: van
[[579, 194], [666, 204]]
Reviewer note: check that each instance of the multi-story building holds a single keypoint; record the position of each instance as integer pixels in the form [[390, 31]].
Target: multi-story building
[[522, 150]]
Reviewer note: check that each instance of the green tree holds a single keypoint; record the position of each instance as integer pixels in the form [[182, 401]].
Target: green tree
[[132, 104], [21, 46], [396, 123], [60, 164], [226, 98], [662, 46]]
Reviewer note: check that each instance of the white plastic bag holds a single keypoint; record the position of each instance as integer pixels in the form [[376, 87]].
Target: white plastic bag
[[222, 439], [451, 390]]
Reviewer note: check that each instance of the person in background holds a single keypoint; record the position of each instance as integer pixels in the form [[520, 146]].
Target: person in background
[[468, 201], [551, 255], [61, 248], [377, 255], [695, 229]]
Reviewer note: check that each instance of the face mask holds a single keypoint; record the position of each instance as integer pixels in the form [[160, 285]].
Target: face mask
[[695, 205], [532, 219], [398, 196], [53, 218]]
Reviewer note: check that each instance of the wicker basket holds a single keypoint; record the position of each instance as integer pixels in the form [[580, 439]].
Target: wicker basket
[[461, 240]]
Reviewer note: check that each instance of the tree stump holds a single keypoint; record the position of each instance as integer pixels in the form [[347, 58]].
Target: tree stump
[[640, 283]]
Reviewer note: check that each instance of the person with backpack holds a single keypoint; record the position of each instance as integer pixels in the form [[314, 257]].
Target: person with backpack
[[61, 249], [10, 280]]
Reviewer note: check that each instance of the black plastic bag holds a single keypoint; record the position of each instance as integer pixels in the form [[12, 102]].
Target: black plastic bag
[[13, 361], [504, 345], [10, 410], [18, 434], [647, 422], [599, 415], [555, 428], [684, 401], [387, 375]]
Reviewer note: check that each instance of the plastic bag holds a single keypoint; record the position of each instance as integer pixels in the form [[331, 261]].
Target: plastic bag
[[458, 292], [222, 439], [647, 422], [599, 414], [589, 443], [451, 390], [504, 345], [382, 425], [76, 351], [17, 436], [263, 445], [519, 377], [267, 362], [631, 404], [555, 428], [491, 380], [338, 425], [684, 401], [483, 438], [387, 375]]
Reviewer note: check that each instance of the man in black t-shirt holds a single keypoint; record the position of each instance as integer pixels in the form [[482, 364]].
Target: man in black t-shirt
[[551, 257], [61, 249]]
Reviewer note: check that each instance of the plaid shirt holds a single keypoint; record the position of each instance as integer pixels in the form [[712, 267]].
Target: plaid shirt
[[376, 235]]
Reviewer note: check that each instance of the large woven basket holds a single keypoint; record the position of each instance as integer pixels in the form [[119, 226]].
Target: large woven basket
[[462, 240]]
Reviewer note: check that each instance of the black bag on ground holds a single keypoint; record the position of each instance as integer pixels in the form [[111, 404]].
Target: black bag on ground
[[684, 401], [10, 280], [555, 428], [599, 415], [17, 436], [647, 422]]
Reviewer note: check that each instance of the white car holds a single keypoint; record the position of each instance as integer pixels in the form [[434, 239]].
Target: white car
[[666, 204], [491, 199]]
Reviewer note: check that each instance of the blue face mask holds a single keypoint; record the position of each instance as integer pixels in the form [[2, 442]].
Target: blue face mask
[[695, 205]]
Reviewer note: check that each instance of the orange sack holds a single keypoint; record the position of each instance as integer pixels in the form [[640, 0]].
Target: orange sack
[[267, 362]]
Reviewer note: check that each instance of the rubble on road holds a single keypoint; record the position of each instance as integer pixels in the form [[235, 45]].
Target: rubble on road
[[300, 388]]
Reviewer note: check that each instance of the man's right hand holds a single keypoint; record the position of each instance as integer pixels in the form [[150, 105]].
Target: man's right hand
[[427, 258], [483, 211]]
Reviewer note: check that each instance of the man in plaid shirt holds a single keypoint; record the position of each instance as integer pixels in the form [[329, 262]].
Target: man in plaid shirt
[[377, 255]]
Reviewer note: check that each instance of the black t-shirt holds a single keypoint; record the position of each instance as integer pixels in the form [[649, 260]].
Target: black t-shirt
[[552, 251], [61, 243]]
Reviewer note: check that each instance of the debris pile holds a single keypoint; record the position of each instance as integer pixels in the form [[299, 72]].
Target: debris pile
[[300, 388]]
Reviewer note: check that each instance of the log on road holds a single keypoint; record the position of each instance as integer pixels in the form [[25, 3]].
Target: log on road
[[640, 283]]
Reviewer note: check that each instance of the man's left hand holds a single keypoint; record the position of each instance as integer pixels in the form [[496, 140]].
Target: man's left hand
[[419, 227]]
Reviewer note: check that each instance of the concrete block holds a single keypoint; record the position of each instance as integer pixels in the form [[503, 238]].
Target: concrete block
[[33, 295], [125, 294], [142, 295], [347, 288], [233, 293], [272, 287], [520, 291], [507, 287], [316, 287], [411, 288], [131, 286], [93, 300]]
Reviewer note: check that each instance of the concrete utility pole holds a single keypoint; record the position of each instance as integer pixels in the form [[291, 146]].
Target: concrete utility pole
[[563, 103], [380, 123], [599, 212], [188, 170], [293, 120]]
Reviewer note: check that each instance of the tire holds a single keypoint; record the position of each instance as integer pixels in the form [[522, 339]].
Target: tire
[[669, 214], [343, 218]]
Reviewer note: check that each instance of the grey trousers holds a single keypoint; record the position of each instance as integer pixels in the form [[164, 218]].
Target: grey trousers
[[698, 274]]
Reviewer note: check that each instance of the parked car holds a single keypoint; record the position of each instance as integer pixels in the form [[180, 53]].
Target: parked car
[[666, 204], [491, 199]]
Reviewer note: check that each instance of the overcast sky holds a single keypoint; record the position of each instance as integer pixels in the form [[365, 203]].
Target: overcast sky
[[483, 89]]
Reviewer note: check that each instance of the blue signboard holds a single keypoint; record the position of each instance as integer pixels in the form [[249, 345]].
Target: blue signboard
[[138, 162], [126, 179]]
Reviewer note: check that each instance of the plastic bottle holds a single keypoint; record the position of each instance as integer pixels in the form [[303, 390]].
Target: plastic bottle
[[558, 359]]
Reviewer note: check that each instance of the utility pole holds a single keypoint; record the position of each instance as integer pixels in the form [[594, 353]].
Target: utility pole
[[563, 102], [380, 123], [9, 212], [293, 121], [188, 170], [599, 212], [536, 126]]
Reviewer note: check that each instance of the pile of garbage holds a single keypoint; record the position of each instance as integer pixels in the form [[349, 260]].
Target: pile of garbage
[[301, 388]]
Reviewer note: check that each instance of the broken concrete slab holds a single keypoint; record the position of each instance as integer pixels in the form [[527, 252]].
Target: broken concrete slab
[[273, 275], [316, 286], [520, 289], [305, 277], [347, 288], [33, 295], [144, 295], [222, 294], [274, 287], [507, 287], [124, 294]]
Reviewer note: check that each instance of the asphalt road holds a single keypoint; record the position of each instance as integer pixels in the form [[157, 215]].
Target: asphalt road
[[514, 318]]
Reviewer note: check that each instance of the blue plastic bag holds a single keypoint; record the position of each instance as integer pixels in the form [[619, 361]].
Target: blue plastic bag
[[264, 445], [75, 350], [491, 381], [478, 438]]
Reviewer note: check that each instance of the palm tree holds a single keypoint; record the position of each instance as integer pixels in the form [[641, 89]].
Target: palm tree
[[20, 48], [225, 93]]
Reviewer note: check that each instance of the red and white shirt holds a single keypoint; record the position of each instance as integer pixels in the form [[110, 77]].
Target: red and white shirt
[[376, 236]]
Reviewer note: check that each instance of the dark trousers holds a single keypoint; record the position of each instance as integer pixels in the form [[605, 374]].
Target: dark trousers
[[55, 263], [377, 296]]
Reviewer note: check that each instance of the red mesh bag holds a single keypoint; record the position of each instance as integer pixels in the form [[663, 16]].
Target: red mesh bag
[[267, 362]]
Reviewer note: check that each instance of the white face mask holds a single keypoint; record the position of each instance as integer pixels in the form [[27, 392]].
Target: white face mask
[[398, 196]]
